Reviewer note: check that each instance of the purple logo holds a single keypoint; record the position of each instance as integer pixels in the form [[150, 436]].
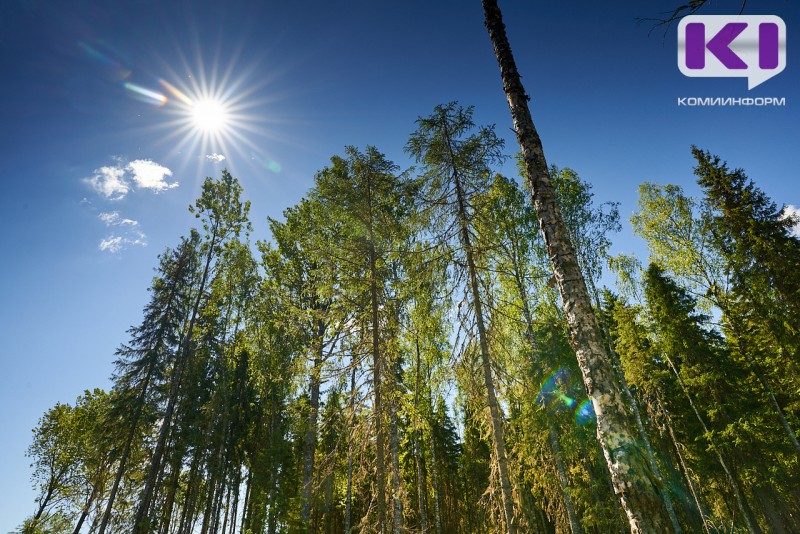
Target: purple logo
[[723, 46]]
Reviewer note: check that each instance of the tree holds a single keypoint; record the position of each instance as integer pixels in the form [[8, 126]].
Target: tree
[[224, 216], [370, 206], [631, 474], [143, 363], [456, 166], [685, 345]]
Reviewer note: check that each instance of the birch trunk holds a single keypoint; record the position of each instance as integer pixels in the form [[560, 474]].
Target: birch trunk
[[676, 526], [631, 476]]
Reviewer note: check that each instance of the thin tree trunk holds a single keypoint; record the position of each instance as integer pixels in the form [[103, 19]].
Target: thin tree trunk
[[310, 445], [687, 475], [574, 522], [631, 475], [348, 511], [223, 489], [189, 498], [227, 510], [494, 409], [236, 489], [85, 510], [140, 523], [744, 508], [418, 447], [437, 515], [173, 488], [396, 497], [377, 364], [246, 504], [125, 452]]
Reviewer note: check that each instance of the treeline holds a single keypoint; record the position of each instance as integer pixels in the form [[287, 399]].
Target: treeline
[[397, 358]]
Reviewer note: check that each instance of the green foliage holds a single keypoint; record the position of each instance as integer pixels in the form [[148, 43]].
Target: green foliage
[[272, 394]]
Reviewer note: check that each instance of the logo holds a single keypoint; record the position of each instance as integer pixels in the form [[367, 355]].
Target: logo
[[729, 46]]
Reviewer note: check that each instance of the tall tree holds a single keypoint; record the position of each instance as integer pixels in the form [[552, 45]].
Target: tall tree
[[370, 203], [686, 345], [306, 281], [631, 474], [457, 165], [143, 362], [223, 215]]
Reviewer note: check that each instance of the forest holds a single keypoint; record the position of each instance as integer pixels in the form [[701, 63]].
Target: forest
[[445, 349]]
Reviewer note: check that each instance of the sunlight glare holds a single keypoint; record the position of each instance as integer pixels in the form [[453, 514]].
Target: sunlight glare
[[209, 115]]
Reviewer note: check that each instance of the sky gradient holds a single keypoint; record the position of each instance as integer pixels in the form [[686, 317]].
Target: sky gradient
[[99, 159]]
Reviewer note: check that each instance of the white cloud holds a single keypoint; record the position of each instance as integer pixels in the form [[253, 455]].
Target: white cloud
[[115, 243], [109, 182], [150, 175], [111, 244], [114, 181], [793, 211], [113, 218], [215, 157]]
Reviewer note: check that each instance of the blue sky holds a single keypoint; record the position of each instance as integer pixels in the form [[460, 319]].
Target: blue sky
[[97, 175]]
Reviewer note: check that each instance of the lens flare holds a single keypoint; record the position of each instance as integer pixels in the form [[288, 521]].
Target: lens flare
[[177, 93], [145, 95], [585, 413], [553, 385], [569, 402], [553, 394]]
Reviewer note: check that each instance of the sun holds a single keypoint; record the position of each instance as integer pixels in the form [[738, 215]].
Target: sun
[[209, 115]]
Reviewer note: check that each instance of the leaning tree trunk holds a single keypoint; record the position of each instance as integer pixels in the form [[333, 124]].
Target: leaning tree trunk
[[631, 475], [140, 522], [86, 508], [491, 397], [555, 445], [676, 526], [498, 439], [744, 508], [123, 461]]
